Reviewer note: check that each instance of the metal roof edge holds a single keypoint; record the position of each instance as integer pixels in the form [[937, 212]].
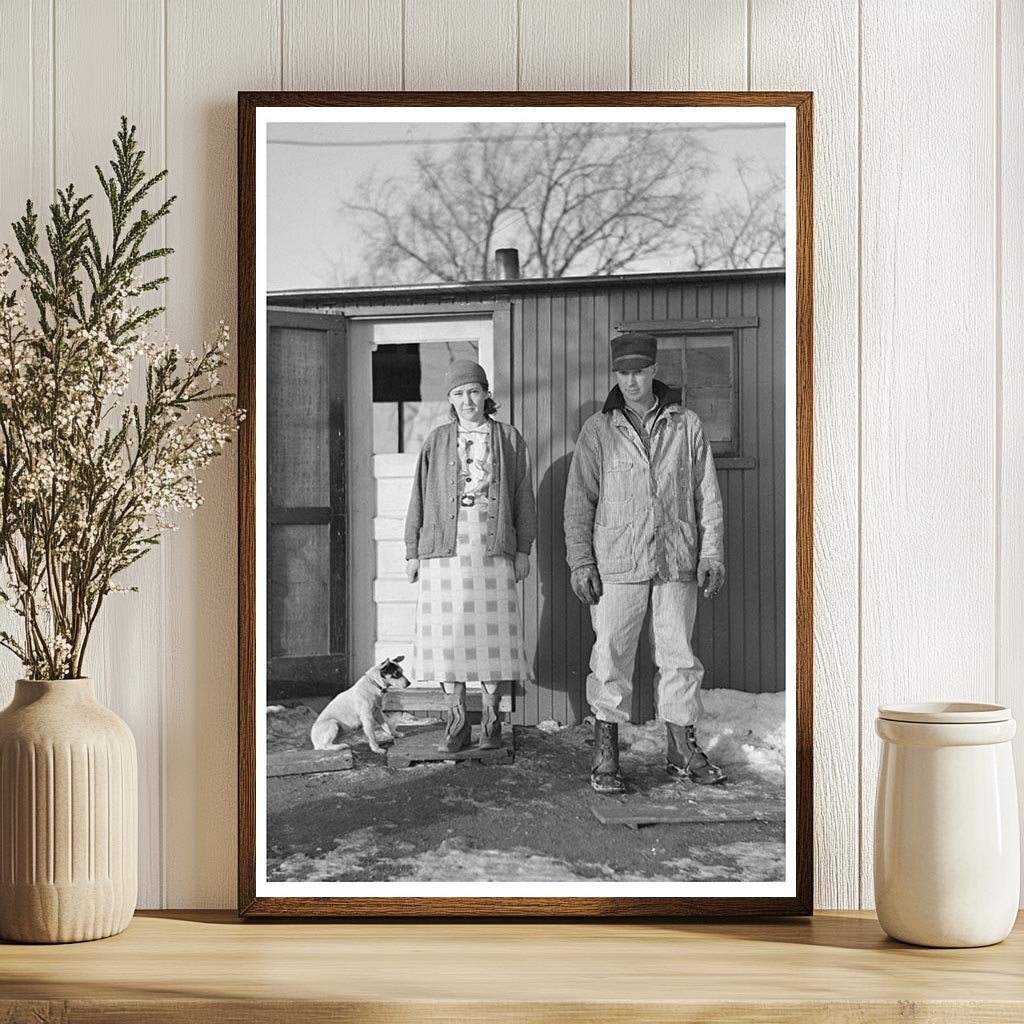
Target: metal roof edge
[[504, 287]]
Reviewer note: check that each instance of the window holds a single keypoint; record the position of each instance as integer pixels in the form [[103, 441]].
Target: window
[[704, 366], [408, 389]]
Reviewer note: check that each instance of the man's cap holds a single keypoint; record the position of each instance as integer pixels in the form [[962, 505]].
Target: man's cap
[[465, 371], [633, 351]]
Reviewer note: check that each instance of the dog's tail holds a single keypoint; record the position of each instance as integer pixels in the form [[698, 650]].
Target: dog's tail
[[323, 735]]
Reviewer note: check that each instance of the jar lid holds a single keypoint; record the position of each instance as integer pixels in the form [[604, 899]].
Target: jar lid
[[945, 712]]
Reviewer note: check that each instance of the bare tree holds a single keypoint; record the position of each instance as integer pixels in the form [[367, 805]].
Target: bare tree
[[580, 198], [746, 229]]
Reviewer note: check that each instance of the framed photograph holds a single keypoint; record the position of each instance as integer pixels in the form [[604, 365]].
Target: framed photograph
[[525, 504]]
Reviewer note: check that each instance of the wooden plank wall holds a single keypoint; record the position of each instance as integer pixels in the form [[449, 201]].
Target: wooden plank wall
[[918, 356], [562, 376]]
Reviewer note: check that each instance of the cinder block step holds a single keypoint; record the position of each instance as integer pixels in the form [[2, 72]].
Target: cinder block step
[[394, 590], [392, 649], [395, 464], [391, 561], [390, 528], [396, 621], [393, 497]]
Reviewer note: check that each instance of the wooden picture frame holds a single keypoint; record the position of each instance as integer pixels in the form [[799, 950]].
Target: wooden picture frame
[[254, 900]]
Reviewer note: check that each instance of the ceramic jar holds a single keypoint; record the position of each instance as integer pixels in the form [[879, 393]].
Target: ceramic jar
[[68, 815], [947, 846]]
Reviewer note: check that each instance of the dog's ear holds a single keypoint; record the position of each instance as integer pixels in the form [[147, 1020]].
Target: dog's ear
[[401, 657]]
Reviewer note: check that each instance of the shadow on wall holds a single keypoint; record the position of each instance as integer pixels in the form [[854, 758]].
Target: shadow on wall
[[564, 634]]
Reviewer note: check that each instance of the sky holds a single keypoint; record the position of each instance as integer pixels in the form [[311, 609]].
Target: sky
[[313, 168]]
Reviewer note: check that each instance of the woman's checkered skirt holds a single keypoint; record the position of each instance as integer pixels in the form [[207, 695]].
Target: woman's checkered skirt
[[468, 626]]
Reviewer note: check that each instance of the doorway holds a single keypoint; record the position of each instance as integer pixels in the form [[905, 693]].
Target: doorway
[[395, 396]]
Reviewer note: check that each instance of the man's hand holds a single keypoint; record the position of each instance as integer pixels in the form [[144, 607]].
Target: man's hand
[[710, 575], [412, 569], [522, 566], [586, 584]]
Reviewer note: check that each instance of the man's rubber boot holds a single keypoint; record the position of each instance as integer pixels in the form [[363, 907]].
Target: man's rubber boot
[[684, 758], [457, 730], [605, 776], [490, 722]]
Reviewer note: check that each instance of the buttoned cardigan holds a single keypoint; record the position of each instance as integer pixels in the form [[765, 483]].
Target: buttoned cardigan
[[431, 525]]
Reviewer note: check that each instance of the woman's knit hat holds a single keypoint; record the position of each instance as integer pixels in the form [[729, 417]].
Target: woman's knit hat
[[465, 371]]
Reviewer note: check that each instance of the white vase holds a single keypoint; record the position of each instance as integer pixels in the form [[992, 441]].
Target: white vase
[[68, 815], [947, 846]]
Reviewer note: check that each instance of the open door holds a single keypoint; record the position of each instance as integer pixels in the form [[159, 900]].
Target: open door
[[396, 396], [307, 556]]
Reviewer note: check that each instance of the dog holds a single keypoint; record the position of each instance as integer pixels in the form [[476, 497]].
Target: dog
[[359, 707]]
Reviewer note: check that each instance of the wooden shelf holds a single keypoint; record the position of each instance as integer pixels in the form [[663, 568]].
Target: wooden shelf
[[210, 967]]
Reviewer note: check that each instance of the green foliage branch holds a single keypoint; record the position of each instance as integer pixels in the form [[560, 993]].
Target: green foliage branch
[[90, 477]]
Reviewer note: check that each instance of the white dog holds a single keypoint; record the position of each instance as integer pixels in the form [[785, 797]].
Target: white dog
[[360, 707]]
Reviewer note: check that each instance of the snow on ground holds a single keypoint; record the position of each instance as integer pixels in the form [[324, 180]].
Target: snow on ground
[[750, 862], [738, 728], [532, 820]]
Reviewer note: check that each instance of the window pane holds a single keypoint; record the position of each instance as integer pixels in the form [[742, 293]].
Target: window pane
[[707, 378], [709, 383], [413, 375], [670, 361], [709, 360], [714, 407]]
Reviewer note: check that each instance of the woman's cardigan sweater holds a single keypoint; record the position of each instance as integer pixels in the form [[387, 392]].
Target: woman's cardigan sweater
[[432, 522]]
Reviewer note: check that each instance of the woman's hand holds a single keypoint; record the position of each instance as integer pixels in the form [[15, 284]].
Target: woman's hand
[[522, 567], [412, 569]]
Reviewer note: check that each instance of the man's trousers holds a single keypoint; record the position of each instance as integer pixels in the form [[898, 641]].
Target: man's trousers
[[617, 619]]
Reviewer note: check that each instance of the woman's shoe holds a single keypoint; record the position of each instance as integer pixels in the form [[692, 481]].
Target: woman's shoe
[[457, 730], [490, 722]]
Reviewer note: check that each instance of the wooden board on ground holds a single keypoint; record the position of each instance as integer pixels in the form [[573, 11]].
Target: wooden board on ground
[[421, 746], [307, 762], [421, 698], [633, 815]]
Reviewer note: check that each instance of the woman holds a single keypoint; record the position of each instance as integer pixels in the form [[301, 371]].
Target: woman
[[471, 524]]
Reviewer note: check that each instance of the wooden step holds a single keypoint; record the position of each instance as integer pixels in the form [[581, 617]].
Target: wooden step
[[432, 698], [421, 746]]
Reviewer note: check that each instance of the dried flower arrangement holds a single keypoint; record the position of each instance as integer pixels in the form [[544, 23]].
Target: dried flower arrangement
[[90, 478]]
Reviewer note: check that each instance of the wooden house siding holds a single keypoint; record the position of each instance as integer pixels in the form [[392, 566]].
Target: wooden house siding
[[560, 373]]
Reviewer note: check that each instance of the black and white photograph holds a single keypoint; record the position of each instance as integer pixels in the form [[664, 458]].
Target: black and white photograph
[[525, 489]]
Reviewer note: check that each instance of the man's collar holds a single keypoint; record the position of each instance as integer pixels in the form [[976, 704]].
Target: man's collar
[[664, 395]]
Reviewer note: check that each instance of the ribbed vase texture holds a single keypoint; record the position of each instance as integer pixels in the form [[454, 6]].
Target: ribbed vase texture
[[68, 815]]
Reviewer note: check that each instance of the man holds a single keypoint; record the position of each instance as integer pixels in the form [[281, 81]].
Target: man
[[643, 528]]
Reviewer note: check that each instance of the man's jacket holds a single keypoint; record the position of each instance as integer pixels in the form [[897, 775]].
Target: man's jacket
[[431, 524], [637, 516]]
